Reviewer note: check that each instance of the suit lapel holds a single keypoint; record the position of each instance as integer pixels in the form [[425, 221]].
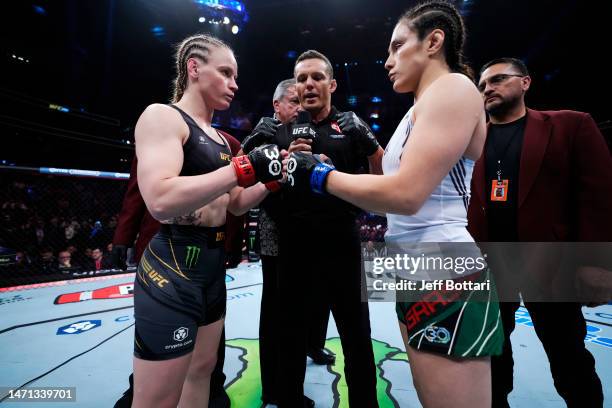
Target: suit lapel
[[535, 141]]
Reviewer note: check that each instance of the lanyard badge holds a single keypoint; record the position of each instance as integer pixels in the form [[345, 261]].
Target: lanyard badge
[[499, 190]]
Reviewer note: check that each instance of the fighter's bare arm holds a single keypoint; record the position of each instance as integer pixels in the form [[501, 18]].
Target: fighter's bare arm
[[159, 135], [447, 116]]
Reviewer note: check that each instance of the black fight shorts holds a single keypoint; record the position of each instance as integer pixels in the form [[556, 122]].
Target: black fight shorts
[[179, 286]]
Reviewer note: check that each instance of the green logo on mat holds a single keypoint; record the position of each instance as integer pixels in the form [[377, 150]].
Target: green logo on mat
[[193, 254], [244, 389]]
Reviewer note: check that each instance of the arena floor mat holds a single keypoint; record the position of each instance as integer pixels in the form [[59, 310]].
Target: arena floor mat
[[80, 334]]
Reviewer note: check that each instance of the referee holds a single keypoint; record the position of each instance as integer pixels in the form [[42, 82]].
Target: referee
[[319, 242]]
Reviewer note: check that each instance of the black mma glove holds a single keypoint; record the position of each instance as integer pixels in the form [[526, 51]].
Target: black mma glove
[[264, 133], [261, 164], [307, 171], [352, 125]]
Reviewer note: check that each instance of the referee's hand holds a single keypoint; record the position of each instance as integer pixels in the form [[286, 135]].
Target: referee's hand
[[301, 145]]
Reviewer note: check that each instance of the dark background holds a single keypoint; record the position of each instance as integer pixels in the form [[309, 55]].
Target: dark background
[[101, 60]]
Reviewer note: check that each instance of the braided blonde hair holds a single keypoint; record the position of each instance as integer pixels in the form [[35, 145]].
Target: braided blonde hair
[[195, 46]]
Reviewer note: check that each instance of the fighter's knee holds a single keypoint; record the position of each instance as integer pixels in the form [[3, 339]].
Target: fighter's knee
[[202, 367]]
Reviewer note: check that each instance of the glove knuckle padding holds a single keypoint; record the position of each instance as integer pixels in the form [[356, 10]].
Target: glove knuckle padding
[[297, 169], [300, 167], [266, 161]]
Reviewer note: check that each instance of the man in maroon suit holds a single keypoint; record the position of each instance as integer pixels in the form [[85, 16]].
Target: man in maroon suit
[[543, 177], [136, 227]]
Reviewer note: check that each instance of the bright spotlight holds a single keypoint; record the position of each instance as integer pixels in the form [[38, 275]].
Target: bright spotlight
[[202, 19], [235, 29], [226, 20]]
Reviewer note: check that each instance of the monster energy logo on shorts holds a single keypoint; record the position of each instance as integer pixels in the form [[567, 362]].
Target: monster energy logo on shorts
[[193, 254]]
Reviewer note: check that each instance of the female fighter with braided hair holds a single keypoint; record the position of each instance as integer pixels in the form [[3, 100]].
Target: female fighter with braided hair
[[189, 180], [424, 191]]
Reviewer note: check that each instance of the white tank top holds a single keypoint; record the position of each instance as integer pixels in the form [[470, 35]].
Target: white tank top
[[443, 217]]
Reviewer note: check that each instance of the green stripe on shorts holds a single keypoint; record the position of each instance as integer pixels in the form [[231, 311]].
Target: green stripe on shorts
[[462, 328]]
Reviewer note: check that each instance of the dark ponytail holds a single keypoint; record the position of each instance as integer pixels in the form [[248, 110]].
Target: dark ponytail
[[428, 16]]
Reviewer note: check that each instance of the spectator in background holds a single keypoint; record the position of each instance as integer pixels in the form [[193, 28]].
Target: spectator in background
[[96, 236], [108, 230], [9, 228], [64, 262], [76, 258], [22, 263], [369, 252], [240, 120], [98, 260], [39, 232], [55, 233], [45, 264], [70, 234], [16, 210], [79, 258]]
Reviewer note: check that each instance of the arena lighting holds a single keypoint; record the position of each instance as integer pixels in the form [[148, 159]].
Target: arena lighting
[[375, 127], [18, 58], [202, 19], [226, 12], [158, 31], [39, 10], [221, 4], [374, 115], [376, 99], [58, 108]]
